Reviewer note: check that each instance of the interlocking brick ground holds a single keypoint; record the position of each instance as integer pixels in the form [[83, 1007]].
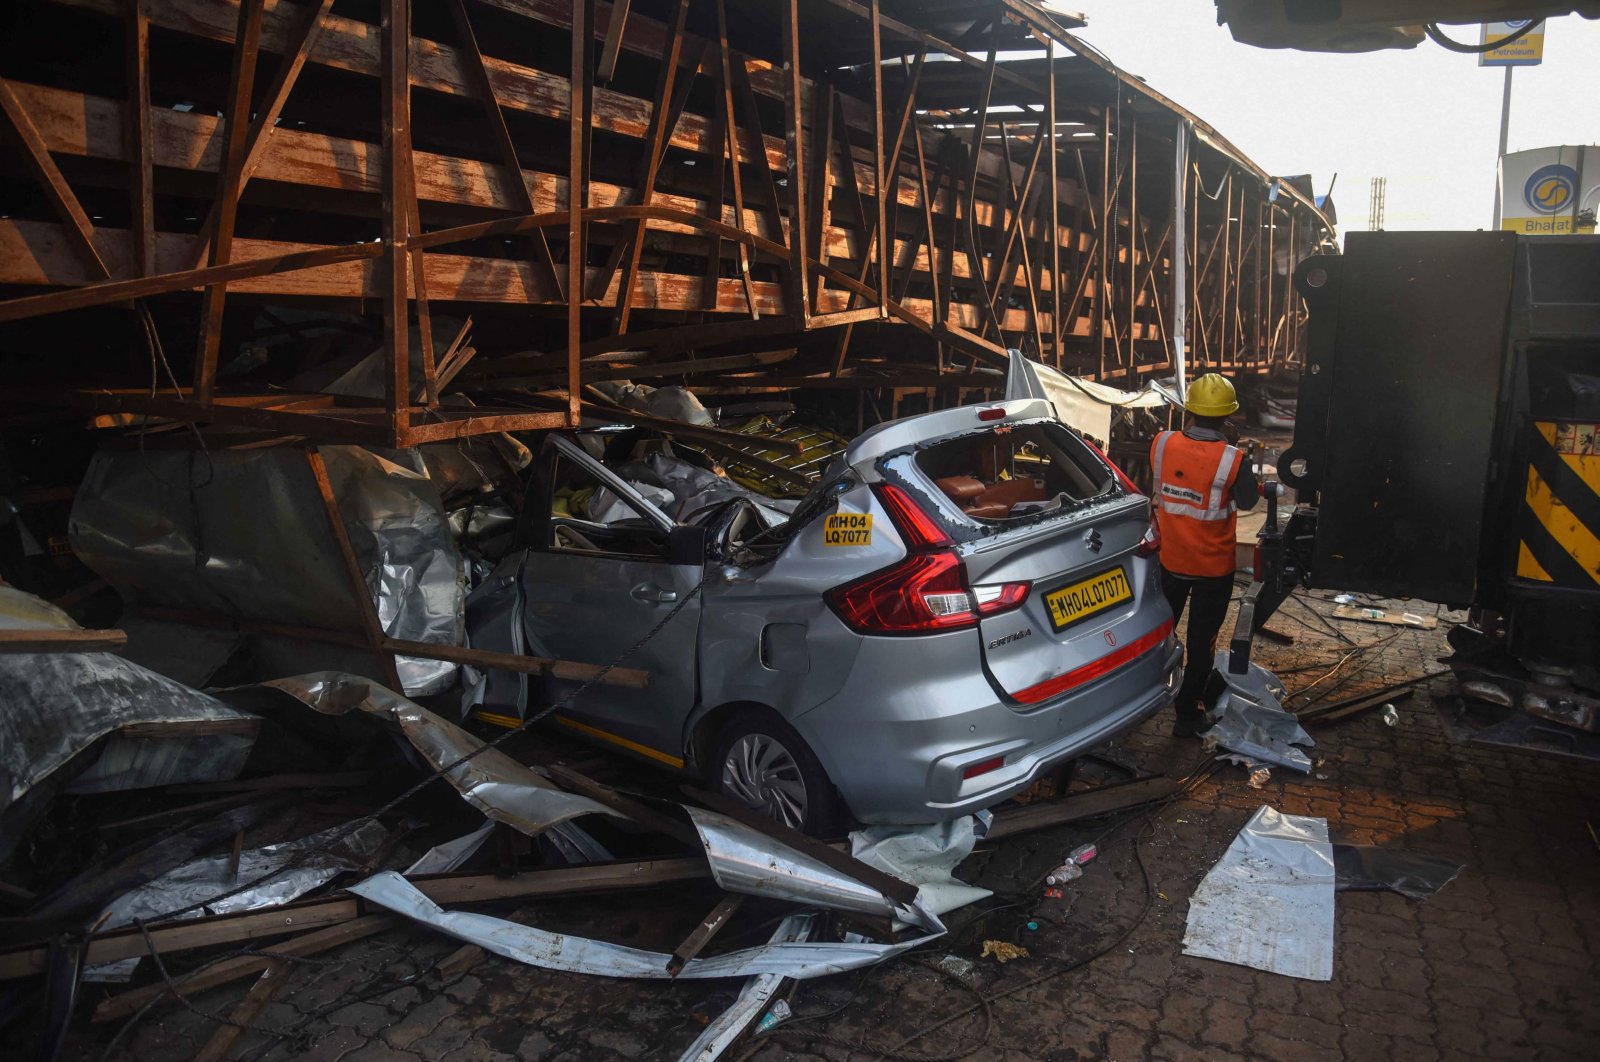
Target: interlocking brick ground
[[1500, 964]]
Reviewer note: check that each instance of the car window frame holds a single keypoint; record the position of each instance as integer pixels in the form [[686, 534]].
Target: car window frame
[[558, 447]]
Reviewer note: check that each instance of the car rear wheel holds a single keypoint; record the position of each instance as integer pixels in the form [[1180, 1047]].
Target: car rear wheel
[[763, 764]]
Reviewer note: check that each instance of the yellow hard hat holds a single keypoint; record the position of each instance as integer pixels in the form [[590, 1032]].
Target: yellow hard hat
[[1211, 396]]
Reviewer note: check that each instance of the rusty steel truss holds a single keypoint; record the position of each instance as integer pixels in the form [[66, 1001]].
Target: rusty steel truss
[[688, 190]]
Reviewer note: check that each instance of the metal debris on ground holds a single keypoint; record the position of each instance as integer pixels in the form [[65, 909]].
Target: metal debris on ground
[[726, 1028], [1268, 902], [1414, 875], [1251, 722]]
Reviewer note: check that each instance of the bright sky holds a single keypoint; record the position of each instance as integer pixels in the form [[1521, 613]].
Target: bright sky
[[1427, 119]]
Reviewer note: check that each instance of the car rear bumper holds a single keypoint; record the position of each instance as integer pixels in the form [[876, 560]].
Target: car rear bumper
[[899, 752]]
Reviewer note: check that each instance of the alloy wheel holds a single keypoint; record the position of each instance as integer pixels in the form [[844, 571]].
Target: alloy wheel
[[760, 772]]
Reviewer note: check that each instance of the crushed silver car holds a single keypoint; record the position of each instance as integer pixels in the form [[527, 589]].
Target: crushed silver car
[[966, 599]]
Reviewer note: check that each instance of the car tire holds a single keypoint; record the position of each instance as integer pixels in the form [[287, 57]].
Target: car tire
[[763, 763]]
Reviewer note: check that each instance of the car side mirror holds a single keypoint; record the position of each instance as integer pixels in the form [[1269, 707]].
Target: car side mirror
[[686, 545]]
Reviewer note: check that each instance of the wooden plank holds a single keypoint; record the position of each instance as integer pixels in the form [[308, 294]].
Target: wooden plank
[[306, 914], [1011, 821], [701, 935], [643, 814], [534, 665], [267, 986], [900, 891], [221, 973], [53, 641]]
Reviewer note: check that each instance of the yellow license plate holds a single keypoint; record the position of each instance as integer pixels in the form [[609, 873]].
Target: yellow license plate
[[1077, 602]]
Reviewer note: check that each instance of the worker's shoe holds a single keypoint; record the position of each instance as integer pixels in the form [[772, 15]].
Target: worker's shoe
[[1190, 723]]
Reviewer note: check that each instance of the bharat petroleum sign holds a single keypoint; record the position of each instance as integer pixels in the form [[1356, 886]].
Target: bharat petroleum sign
[[1550, 189], [1540, 190]]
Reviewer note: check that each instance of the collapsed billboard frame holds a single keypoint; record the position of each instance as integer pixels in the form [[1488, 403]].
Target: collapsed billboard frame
[[1002, 153]]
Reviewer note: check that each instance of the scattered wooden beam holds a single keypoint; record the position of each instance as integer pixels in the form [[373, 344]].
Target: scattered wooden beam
[[641, 813], [701, 935], [1075, 808], [267, 986], [221, 973], [53, 641], [447, 889]]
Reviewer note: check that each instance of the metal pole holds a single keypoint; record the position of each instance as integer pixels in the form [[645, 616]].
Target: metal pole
[[1180, 262], [1505, 129]]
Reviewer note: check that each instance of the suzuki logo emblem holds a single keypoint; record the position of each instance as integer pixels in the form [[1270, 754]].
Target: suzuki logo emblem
[[1111, 638], [1092, 540]]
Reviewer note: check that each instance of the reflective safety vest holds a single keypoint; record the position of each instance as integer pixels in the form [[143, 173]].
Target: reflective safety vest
[[1194, 503]]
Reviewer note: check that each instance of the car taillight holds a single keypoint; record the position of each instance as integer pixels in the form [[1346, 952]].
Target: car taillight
[[925, 593], [916, 527], [999, 597], [1150, 544]]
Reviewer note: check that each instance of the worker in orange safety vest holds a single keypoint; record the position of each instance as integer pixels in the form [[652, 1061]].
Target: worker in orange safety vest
[[1201, 482]]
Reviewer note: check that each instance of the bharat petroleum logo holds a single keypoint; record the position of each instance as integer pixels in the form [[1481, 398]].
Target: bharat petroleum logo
[[1550, 188]]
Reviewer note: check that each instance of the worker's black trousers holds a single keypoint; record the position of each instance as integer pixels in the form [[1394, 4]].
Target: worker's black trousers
[[1208, 607]]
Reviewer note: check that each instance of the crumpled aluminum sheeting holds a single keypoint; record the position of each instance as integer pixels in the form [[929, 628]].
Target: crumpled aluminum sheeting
[[198, 881], [1250, 719], [443, 858], [491, 781], [22, 611], [1268, 903], [335, 852], [748, 861], [227, 532], [927, 857], [562, 951], [54, 706], [403, 540], [753, 999]]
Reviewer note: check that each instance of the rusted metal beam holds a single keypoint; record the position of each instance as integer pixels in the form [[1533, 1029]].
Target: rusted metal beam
[[669, 101], [795, 161], [136, 136], [394, 28], [478, 75], [577, 194], [80, 230], [266, 118], [121, 290], [241, 82]]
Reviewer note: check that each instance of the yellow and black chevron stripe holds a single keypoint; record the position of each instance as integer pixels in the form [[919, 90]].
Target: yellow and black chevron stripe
[[1561, 510]]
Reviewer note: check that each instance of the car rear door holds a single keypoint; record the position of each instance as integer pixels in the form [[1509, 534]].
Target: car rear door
[[1088, 597], [592, 588], [1029, 506]]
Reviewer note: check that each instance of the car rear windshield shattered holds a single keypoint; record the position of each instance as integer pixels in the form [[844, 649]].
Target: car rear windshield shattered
[[1014, 472]]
